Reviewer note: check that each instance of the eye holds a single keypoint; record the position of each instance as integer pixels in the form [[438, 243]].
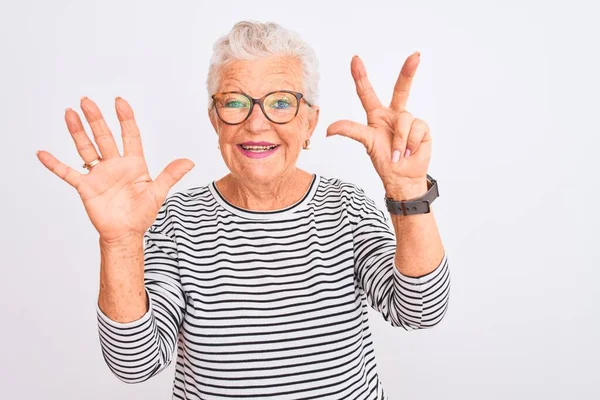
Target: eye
[[280, 104], [234, 103]]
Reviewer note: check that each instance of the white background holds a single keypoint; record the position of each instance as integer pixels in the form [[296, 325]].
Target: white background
[[509, 88]]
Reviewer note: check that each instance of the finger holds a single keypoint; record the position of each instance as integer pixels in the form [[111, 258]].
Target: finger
[[401, 133], [84, 145], [404, 82], [61, 170], [102, 135], [132, 141], [423, 153], [352, 130], [172, 174], [418, 133], [365, 91]]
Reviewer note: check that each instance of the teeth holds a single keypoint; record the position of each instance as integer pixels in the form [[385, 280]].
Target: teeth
[[258, 148]]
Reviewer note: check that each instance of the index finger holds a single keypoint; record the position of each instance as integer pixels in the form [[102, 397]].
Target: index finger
[[404, 82], [365, 91]]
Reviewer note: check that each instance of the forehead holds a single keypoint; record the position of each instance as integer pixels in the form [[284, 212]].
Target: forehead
[[257, 77]]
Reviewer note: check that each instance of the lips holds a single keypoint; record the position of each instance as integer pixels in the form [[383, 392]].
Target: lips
[[257, 149]]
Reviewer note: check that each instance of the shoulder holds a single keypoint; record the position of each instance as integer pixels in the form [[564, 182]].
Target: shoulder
[[181, 207], [329, 185], [190, 195], [358, 204], [187, 201], [352, 195]]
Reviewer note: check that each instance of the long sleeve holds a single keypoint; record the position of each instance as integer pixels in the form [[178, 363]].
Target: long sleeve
[[136, 351], [411, 303]]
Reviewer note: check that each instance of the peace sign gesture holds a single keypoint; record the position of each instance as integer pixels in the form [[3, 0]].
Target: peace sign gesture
[[399, 144]]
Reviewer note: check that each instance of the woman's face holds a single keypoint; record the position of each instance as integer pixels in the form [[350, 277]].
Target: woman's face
[[257, 78]]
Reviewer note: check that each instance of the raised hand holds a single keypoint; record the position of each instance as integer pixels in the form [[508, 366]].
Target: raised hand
[[118, 194], [399, 144]]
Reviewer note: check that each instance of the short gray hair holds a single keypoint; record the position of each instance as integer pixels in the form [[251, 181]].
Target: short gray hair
[[251, 40]]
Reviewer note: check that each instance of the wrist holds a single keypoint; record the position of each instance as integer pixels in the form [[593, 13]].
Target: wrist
[[121, 242], [408, 191]]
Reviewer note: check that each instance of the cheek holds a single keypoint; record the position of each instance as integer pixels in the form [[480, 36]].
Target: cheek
[[227, 144], [292, 139], [294, 132], [227, 134]]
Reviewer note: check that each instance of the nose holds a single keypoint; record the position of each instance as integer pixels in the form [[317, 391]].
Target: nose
[[257, 122]]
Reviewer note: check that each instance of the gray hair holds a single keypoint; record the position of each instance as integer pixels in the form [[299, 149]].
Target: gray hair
[[251, 40]]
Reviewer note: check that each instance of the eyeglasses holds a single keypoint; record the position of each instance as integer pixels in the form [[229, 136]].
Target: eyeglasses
[[279, 107]]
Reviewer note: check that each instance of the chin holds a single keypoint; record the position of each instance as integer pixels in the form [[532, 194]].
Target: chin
[[263, 174]]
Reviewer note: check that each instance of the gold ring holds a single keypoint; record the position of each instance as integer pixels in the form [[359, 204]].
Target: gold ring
[[91, 164]]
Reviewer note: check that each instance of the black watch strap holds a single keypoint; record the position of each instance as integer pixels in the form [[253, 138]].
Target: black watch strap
[[420, 205]]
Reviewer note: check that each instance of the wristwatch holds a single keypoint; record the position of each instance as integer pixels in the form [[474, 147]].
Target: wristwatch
[[420, 205]]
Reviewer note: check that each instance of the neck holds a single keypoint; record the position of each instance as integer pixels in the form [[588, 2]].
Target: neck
[[265, 196]]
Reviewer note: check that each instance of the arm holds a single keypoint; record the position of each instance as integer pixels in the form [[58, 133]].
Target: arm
[[138, 313], [122, 297], [405, 299], [419, 247], [406, 277], [139, 323]]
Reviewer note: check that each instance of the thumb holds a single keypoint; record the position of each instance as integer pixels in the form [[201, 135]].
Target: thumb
[[351, 129], [173, 174]]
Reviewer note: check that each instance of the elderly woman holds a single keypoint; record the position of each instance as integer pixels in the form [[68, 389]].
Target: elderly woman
[[261, 280]]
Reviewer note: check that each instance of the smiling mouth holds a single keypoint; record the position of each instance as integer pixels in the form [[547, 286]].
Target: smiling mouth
[[258, 149]]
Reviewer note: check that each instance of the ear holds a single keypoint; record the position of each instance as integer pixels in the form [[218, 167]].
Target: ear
[[313, 119]]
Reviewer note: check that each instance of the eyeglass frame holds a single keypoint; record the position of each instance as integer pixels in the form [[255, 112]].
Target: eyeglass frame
[[299, 97]]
